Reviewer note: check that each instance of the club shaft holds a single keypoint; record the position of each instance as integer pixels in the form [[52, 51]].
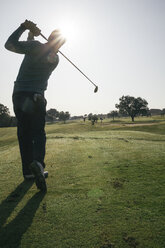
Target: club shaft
[[43, 36], [76, 67], [72, 63]]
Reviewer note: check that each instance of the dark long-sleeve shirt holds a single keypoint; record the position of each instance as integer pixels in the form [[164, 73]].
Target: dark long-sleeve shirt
[[38, 63]]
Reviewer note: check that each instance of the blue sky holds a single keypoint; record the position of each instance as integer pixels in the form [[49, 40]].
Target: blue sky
[[119, 44]]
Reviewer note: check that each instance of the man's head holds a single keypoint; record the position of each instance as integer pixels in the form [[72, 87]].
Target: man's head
[[56, 40], [54, 35]]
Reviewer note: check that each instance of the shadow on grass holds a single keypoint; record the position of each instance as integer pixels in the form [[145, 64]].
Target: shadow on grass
[[11, 234]]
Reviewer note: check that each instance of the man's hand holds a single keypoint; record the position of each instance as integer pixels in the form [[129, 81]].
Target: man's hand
[[32, 27], [30, 36]]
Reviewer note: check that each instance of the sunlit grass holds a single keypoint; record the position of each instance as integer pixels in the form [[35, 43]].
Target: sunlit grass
[[105, 188]]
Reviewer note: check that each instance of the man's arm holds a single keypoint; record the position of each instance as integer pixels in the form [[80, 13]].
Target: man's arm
[[12, 44], [23, 47]]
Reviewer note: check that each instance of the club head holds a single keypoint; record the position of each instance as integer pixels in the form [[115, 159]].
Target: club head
[[96, 89]]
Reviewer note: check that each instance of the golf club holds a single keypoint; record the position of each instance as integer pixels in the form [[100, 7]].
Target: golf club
[[96, 87]]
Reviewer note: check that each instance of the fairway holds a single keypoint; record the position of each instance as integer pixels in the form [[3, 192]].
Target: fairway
[[106, 187]]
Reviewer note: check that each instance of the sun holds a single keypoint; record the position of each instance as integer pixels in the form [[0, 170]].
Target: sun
[[68, 30]]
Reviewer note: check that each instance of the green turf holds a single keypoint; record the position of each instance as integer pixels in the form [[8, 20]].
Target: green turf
[[106, 187]]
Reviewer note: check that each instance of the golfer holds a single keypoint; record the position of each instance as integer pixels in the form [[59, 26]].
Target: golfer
[[28, 96]]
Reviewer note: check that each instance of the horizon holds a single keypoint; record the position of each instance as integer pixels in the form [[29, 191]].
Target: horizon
[[81, 115]]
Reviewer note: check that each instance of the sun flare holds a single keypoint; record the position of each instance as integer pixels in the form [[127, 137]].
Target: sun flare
[[68, 31]]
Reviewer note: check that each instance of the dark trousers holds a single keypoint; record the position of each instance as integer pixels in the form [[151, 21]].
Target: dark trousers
[[30, 113]]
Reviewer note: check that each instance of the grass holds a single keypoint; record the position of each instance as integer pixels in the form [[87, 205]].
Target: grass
[[106, 187]]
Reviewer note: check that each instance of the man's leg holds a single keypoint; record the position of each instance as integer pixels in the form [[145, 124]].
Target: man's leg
[[39, 142], [26, 147], [38, 133], [23, 133]]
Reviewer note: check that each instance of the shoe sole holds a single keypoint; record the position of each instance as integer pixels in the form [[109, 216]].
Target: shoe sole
[[46, 174], [39, 178]]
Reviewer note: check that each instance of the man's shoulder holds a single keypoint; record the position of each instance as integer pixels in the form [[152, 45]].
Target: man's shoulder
[[34, 43], [35, 47]]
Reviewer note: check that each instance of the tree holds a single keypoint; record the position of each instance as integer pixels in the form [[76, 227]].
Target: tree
[[92, 118], [113, 114], [52, 114], [145, 112], [63, 116], [13, 121], [101, 119], [163, 112], [84, 117], [4, 116], [132, 106]]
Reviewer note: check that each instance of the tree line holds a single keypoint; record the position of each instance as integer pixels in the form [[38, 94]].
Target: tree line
[[5, 119], [127, 106], [52, 115]]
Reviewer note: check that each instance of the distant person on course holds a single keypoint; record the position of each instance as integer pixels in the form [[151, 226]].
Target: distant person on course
[[28, 96]]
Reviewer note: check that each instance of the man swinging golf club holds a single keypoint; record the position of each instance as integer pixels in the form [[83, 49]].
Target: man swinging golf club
[[28, 96]]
